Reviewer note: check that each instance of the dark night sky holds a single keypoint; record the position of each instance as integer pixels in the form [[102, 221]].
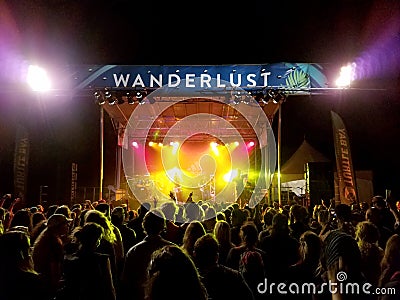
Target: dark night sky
[[101, 32]]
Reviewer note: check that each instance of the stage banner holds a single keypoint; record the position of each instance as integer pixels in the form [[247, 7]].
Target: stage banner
[[344, 164], [21, 160], [294, 78]]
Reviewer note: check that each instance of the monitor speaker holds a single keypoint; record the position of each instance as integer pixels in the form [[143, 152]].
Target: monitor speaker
[[319, 181]]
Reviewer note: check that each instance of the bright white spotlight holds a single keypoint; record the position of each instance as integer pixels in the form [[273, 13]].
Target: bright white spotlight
[[175, 146], [37, 79], [135, 145], [232, 146], [230, 176], [250, 144], [346, 76], [214, 148]]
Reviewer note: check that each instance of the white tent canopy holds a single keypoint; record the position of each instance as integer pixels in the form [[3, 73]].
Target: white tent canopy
[[293, 169], [293, 179]]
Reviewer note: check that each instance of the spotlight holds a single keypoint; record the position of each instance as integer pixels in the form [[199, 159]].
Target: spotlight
[[230, 176], [135, 145], [130, 99], [99, 97], [347, 75], [272, 94], [214, 148], [112, 100], [38, 79], [175, 146], [237, 98], [107, 94], [246, 99], [140, 96], [276, 96], [250, 144], [260, 97]]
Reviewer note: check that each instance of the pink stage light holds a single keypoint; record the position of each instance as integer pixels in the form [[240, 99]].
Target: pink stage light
[[250, 144], [135, 145]]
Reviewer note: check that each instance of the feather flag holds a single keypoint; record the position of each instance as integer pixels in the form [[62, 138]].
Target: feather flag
[[21, 161], [344, 164]]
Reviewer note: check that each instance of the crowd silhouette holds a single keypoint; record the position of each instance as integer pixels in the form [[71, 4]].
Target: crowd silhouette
[[199, 250]]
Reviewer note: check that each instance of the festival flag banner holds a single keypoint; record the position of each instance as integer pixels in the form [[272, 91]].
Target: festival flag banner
[[21, 159], [344, 164], [74, 181]]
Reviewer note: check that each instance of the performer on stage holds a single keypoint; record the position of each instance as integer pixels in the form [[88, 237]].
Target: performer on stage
[[239, 186]]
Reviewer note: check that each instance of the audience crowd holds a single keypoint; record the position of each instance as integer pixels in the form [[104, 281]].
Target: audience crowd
[[200, 250]]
